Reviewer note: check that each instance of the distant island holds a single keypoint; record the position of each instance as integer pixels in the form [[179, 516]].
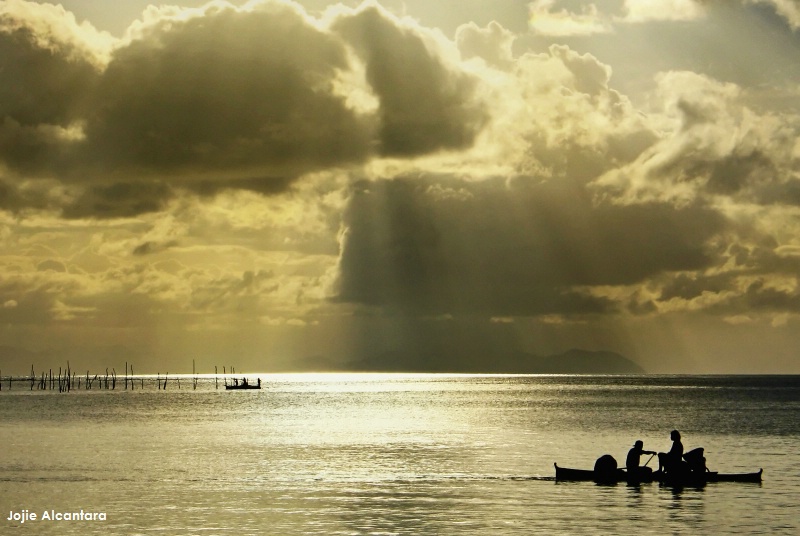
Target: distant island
[[574, 361], [585, 362]]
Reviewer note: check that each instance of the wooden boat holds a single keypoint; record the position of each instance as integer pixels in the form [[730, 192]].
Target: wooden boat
[[693, 479], [621, 475], [244, 385], [576, 475]]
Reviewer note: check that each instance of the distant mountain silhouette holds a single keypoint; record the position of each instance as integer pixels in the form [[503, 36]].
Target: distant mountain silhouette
[[573, 361], [577, 361]]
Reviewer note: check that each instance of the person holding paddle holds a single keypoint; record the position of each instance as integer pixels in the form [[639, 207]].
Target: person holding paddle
[[632, 461]]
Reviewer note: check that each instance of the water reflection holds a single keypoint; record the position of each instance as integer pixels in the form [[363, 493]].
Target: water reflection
[[414, 455], [684, 506]]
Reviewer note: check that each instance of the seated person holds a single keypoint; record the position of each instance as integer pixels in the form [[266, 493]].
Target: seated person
[[670, 461], [632, 461]]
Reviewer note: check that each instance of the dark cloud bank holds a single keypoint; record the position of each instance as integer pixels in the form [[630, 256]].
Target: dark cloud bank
[[230, 99], [445, 246]]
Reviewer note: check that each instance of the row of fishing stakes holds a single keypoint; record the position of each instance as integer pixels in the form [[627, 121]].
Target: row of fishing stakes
[[68, 380]]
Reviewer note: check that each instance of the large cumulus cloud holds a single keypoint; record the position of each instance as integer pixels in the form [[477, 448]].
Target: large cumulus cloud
[[425, 104], [713, 145], [219, 96], [227, 93], [603, 209]]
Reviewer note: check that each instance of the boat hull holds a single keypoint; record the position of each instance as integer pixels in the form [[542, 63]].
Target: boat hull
[[620, 475], [241, 387]]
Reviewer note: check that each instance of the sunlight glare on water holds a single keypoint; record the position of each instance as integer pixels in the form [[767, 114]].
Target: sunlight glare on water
[[398, 454]]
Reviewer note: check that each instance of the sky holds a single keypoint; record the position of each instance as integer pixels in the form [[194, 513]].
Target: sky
[[436, 185]]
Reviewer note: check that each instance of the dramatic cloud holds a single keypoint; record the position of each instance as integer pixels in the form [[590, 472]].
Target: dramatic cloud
[[226, 92], [446, 246], [717, 147], [425, 104], [54, 64], [219, 96], [323, 183]]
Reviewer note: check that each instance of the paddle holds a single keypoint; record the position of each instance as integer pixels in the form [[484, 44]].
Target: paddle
[[648, 460]]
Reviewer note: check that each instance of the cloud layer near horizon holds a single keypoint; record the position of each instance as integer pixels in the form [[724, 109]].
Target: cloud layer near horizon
[[236, 169]]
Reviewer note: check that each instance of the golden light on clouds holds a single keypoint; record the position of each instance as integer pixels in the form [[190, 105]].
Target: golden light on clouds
[[337, 187]]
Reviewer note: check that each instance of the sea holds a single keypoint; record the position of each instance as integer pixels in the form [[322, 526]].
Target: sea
[[387, 454]]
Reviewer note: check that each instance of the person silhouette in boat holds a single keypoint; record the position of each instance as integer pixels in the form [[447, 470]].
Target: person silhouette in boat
[[671, 461], [632, 461]]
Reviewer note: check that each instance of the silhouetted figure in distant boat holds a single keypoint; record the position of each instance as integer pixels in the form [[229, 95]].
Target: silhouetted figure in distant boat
[[632, 461], [671, 461], [259, 383], [244, 382]]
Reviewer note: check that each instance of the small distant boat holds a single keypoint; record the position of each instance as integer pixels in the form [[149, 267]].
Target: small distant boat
[[243, 385], [621, 475]]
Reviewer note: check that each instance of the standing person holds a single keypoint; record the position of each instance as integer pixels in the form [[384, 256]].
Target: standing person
[[632, 461], [668, 461]]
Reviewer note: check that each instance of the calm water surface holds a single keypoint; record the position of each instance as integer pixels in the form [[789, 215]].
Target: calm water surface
[[398, 454]]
